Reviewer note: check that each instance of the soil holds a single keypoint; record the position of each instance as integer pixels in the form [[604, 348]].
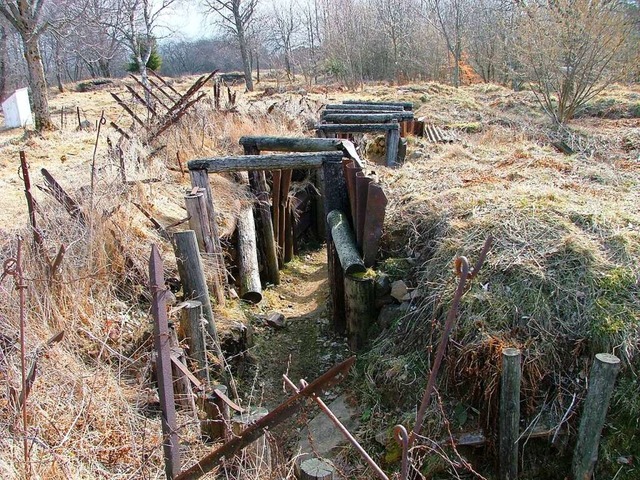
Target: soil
[[303, 349]]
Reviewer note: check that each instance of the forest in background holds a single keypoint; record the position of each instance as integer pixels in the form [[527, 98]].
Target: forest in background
[[350, 41]]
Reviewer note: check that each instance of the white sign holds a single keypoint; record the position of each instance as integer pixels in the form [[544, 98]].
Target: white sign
[[17, 110]]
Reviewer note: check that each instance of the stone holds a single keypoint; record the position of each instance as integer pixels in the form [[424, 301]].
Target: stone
[[326, 439], [382, 285], [275, 320], [399, 290]]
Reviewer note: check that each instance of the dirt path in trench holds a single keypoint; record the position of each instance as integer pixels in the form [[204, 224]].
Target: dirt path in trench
[[304, 348]]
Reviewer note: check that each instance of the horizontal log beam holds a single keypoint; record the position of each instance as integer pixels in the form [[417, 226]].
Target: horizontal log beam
[[356, 128], [264, 162], [359, 118], [404, 105], [361, 106], [397, 115], [291, 144]]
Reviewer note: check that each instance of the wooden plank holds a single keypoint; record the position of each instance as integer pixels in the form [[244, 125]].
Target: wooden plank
[[356, 128], [399, 115], [264, 162], [363, 106], [290, 144], [509, 413], [405, 105], [363, 118]]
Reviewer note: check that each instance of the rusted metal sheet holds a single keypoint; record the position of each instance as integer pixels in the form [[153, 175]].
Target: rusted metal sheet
[[437, 135], [362, 193], [170, 442], [255, 430], [376, 207]]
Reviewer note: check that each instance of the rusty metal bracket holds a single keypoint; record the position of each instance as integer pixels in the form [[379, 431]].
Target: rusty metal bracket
[[277, 416], [465, 273]]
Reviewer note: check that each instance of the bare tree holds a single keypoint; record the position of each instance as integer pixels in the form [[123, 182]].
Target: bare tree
[[285, 27], [450, 17], [27, 17], [236, 17], [570, 49]]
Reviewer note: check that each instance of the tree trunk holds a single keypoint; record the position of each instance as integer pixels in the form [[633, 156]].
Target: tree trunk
[[244, 50], [3, 62], [37, 82]]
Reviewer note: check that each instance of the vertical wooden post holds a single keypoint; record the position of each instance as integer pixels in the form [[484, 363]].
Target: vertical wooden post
[[194, 284], [171, 444], [275, 201], [216, 424], [289, 236], [392, 140], [258, 183], [285, 183], [191, 323], [509, 413], [250, 287], [335, 198], [316, 469], [321, 215], [359, 309], [198, 219], [200, 178], [258, 454], [601, 382]]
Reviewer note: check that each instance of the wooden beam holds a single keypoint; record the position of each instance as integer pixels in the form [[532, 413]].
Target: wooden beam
[[400, 115], [357, 128], [264, 162], [363, 106], [290, 144], [405, 105], [360, 118]]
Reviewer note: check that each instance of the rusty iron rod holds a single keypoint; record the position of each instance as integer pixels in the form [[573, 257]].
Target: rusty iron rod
[[170, 442], [402, 437], [255, 430], [350, 438], [465, 273]]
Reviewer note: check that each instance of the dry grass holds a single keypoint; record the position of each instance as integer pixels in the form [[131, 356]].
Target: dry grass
[[92, 410], [561, 281]]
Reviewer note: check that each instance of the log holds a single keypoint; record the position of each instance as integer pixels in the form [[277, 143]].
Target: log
[[316, 469], [275, 201], [509, 413], [601, 382], [288, 232], [193, 329], [404, 105], [364, 118], [264, 162], [194, 284], [259, 187], [392, 141], [216, 425], [250, 287], [345, 243], [401, 115], [359, 309], [290, 144], [285, 184], [198, 219], [200, 178], [258, 454], [327, 128], [363, 106]]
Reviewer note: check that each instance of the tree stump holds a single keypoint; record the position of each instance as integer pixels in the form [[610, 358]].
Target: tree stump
[[215, 426], [316, 469]]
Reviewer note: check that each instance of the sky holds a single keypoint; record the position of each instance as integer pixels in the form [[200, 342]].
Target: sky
[[186, 22]]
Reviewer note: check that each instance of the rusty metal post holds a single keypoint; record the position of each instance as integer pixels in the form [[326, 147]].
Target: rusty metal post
[[170, 442], [373, 222]]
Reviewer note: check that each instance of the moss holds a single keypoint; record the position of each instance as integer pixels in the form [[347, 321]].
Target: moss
[[396, 268], [467, 127]]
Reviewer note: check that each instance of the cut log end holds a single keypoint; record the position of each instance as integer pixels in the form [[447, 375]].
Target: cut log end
[[252, 297], [316, 469]]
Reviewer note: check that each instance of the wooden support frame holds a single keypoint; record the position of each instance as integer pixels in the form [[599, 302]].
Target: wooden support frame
[[391, 129], [404, 105], [363, 106], [364, 118]]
